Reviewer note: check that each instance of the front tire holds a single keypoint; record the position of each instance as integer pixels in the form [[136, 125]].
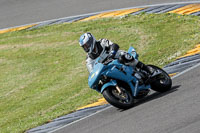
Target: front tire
[[122, 101], [164, 82]]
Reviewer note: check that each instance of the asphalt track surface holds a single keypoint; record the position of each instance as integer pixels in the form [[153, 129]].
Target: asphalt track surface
[[175, 111], [19, 12]]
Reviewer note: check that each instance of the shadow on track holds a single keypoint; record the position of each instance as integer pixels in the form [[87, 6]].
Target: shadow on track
[[153, 96]]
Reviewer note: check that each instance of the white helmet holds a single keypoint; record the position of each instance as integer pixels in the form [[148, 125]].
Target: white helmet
[[87, 41]]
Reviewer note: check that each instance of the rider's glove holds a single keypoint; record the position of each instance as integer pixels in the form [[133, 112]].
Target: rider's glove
[[112, 54]]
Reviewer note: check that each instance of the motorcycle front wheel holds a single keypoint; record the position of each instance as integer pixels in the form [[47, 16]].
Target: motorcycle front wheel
[[122, 101]]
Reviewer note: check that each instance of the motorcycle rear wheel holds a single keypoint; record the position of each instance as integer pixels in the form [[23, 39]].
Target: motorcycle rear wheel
[[164, 83], [122, 101]]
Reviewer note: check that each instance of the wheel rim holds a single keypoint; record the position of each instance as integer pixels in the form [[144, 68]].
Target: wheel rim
[[123, 97], [163, 78]]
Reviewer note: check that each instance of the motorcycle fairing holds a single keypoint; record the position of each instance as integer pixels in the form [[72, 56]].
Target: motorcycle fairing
[[111, 83], [116, 71]]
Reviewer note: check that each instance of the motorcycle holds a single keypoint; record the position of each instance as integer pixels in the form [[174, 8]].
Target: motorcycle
[[121, 85]]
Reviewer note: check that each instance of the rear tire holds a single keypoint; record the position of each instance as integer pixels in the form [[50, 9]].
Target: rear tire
[[123, 101], [164, 83]]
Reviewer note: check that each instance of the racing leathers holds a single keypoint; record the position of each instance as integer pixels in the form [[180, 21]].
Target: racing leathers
[[103, 45]]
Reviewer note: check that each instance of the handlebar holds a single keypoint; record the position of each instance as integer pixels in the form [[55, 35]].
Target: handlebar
[[107, 61]]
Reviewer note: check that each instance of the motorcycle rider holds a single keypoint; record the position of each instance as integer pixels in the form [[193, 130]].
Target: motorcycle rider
[[94, 48]]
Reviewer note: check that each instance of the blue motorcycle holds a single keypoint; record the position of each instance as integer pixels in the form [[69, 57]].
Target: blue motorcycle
[[121, 84]]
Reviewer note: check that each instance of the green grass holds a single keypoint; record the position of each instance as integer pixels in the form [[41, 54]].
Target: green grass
[[43, 73]]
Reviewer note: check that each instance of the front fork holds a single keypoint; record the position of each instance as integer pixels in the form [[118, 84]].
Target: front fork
[[134, 89], [118, 89]]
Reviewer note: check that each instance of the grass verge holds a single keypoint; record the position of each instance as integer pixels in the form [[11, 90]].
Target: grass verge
[[43, 73]]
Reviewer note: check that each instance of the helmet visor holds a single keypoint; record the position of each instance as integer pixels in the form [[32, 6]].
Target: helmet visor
[[86, 47]]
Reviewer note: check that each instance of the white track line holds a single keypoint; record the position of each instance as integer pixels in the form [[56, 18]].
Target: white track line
[[183, 72], [81, 119]]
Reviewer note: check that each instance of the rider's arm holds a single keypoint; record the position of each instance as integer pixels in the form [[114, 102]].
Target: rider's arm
[[113, 49], [110, 46]]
